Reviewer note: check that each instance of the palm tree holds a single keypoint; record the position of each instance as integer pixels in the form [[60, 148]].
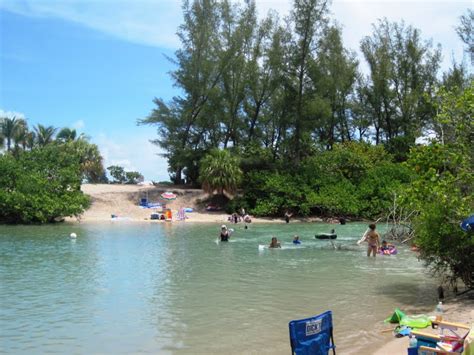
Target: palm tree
[[44, 135], [9, 128], [220, 172], [21, 135], [30, 140], [2, 137], [66, 135]]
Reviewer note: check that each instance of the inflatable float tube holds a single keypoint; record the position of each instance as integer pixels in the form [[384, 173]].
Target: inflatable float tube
[[389, 252], [325, 236]]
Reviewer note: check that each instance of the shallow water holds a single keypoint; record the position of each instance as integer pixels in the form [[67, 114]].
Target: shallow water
[[170, 288]]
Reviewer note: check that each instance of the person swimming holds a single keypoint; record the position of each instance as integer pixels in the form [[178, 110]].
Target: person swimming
[[225, 235], [274, 243], [296, 240]]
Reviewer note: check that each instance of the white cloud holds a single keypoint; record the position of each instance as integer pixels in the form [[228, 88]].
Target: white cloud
[[11, 114], [78, 125], [155, 23], [145, 21], [135, 153]]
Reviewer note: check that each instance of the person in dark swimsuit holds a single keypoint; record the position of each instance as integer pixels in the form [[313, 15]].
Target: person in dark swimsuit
[[274, 243], [224, 234]]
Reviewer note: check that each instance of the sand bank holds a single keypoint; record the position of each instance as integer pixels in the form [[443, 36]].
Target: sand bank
[[123, 201]]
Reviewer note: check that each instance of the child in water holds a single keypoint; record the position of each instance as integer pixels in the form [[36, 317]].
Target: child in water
[[274, 243], [387, 248], [296, 240]]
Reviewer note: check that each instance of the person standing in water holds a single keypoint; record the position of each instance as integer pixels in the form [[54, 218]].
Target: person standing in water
[[373, 240], [288, 216], [225, 235]]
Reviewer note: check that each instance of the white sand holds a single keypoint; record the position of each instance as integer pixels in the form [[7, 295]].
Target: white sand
[[123, 201]]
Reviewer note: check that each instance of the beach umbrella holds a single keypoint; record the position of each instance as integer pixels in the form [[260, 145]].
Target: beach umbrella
[[168, 195], [468, 224]]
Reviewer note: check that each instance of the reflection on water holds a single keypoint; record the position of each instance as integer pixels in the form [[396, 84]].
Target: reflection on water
[[170, 288]]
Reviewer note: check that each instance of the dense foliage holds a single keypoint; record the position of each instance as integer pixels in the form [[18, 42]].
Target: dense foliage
[[352, 179], [290, 88], [442, 193], [41, 185], [16, 137], [41, 172], [220, 172]]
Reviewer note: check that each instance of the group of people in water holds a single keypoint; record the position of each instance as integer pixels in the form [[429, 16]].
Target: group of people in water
[[371, 236]]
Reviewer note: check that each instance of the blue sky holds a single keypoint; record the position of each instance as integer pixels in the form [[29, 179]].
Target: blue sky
[[96, 65]]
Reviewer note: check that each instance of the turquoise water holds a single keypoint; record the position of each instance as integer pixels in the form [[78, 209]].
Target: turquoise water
[[170, 288]]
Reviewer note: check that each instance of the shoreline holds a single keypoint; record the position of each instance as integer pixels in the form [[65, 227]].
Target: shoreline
[[123, 202], [196, 217]]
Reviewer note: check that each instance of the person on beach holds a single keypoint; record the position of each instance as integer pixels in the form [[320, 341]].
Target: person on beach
[[373, 240], [224, 234], [235, 217], [296, 240], [274, 243], [288, 216]]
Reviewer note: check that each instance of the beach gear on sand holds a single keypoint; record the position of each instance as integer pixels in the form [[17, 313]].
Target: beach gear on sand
[[453, 338], [396, 317], [168, 195], [312, 335], [420, 321]]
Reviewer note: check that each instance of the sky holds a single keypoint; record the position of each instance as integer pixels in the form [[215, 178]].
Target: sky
[[96, 65]]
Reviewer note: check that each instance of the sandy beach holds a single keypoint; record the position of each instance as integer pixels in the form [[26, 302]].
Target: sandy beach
[[123, 202]]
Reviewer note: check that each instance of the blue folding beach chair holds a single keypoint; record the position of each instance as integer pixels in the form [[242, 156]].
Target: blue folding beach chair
[[312, 336]]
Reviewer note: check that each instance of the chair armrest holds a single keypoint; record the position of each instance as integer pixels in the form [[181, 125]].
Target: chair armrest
[[435, 337], [451, 325], [435, 351]]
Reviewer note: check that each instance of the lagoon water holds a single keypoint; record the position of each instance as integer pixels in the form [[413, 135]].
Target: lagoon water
[[169, 288]]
